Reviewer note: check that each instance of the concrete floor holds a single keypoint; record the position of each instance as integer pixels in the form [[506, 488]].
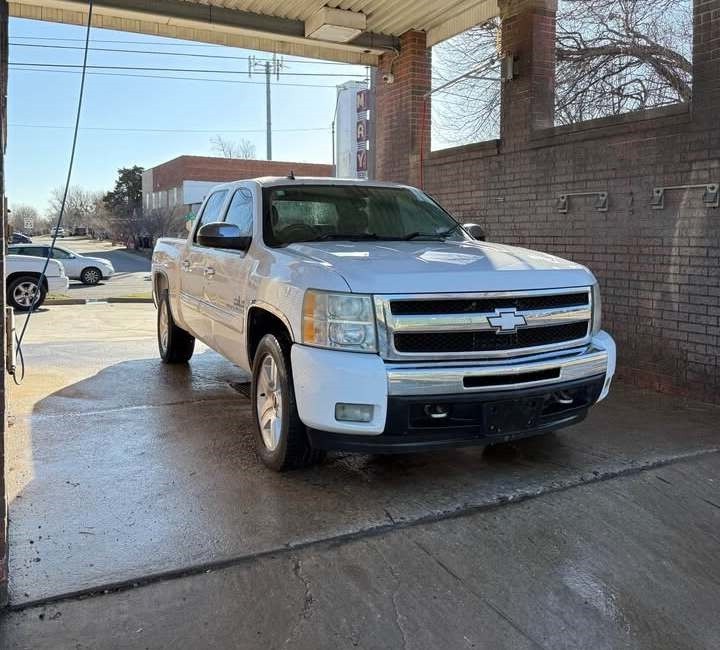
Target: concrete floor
[[124, 473]]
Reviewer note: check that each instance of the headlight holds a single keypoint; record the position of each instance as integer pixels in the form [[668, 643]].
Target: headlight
[[596, 309], [344, 321]]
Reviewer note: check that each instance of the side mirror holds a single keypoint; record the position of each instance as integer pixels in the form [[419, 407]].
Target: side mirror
[[475, 231], [222, 235]]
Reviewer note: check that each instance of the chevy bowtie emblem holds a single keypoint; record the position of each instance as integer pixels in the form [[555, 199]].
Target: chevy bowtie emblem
[[506, 321]]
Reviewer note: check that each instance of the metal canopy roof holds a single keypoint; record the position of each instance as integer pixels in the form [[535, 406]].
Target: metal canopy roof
[[270, 25]]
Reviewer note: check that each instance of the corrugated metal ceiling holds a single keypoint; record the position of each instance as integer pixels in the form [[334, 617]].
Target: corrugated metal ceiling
[[223, 21]]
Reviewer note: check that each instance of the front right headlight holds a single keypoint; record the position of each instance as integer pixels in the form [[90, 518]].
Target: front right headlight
[[340, 321], [596, 309]]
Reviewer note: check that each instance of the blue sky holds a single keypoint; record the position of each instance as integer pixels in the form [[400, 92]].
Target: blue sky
[[37, 156]]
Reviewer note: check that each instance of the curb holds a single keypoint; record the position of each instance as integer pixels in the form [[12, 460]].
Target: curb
[[93, 301]]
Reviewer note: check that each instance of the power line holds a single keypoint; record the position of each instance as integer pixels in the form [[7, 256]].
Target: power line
[[140, 130], [184, 54], [178, 78], [204, 71]]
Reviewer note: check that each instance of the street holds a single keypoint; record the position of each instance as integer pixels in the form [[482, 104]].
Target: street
[[132, 270], [141, 518]]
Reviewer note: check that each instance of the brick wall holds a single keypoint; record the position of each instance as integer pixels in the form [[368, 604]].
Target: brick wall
[[659, 269], [204, 168]]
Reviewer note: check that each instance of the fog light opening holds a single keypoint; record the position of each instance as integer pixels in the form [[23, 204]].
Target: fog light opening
[[436, 411], [353, 412]]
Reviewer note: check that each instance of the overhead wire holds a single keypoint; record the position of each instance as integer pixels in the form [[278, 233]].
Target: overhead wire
[[183, 54], [71, 163], [175, 77], [154, 68]]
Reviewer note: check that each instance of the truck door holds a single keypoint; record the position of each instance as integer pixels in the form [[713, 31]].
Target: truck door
[[227, 286], [194, 269]]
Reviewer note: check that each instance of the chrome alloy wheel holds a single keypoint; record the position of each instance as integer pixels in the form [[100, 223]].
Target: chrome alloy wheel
[[269, 403], [163, 326], [26, 294]]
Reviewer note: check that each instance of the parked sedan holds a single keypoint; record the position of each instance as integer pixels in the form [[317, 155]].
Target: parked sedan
[[89, 270], [20, 238]]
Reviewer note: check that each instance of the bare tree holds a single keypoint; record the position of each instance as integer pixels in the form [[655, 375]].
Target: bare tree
[[20, 213], [613, 56], [228, 149], [80, 206]]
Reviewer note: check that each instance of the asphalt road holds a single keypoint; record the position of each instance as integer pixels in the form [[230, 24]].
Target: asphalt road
[[141, 518], [132, 277]]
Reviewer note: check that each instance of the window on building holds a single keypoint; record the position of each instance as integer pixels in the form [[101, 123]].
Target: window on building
[[465, 102], [618, 56]]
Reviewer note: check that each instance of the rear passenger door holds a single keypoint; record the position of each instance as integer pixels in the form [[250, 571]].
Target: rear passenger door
[[227, 287], [194, 269]]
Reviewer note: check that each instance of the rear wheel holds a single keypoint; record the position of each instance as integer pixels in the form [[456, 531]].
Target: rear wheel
[[23, 293], [175, 344], [280, 436], [91, 275]]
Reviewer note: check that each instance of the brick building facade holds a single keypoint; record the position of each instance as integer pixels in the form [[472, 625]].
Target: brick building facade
[[182, 182], [659, 268]]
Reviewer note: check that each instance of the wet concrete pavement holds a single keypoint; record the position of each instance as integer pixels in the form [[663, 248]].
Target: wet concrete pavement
[[123, 471]]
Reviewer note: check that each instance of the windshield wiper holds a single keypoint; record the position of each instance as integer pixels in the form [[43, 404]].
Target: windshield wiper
[[432, 235]]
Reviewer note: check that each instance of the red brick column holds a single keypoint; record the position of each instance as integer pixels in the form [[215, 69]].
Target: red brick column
[[402, 111], [528, 100], [706, 59]]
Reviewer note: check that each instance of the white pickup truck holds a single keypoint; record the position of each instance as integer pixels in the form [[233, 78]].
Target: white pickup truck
[[372, 321]]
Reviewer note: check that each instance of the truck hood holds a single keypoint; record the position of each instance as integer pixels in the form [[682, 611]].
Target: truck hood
[[449, 266]]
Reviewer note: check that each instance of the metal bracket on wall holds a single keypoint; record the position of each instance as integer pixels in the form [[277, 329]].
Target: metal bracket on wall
[[711, 194], [601, 202]]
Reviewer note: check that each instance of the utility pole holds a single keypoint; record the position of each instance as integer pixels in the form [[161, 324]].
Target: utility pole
[[272, 66]]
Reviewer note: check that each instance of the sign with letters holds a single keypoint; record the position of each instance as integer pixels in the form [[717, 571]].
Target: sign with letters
[[362, 132]]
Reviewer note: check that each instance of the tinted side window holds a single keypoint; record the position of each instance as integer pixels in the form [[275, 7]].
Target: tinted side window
[[211, 211], [60, 254], [240, 211]]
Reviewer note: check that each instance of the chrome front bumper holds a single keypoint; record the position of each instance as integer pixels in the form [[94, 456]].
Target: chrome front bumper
[[456, 379]]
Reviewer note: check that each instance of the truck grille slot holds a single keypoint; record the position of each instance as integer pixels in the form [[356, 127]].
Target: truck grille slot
[[487, 341], [509, 380], [480, 305]]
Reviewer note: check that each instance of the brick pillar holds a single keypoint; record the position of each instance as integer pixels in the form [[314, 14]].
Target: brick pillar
[[527, 33], [402, 113], [706, 59]]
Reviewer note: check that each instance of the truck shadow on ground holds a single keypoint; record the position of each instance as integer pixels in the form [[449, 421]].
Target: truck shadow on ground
[[145, 468]]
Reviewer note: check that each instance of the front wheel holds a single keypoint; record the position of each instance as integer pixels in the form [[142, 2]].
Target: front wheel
[[91, 275], [24, 294], [175, 344], [280, 436]]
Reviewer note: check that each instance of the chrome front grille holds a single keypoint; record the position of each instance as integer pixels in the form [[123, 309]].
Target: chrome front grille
[[483, 325]]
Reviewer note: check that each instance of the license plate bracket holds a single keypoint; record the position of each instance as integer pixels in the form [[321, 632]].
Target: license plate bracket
[[510, 416]]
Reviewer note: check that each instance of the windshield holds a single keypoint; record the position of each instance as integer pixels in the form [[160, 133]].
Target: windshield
[[307, 213]]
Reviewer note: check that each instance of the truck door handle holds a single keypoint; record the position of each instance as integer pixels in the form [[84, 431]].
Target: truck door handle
[[209, 271], [186, 265]]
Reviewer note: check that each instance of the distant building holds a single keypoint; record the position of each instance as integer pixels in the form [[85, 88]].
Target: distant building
[[181, 184]]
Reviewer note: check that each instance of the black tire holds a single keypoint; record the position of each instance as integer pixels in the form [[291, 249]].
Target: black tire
[[18, 295], [176, 345], [91, 275], [293, 448]]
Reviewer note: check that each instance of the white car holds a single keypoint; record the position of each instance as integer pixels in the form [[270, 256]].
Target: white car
[[373, 321], [89, 270], [22, 274], [60, 232]]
